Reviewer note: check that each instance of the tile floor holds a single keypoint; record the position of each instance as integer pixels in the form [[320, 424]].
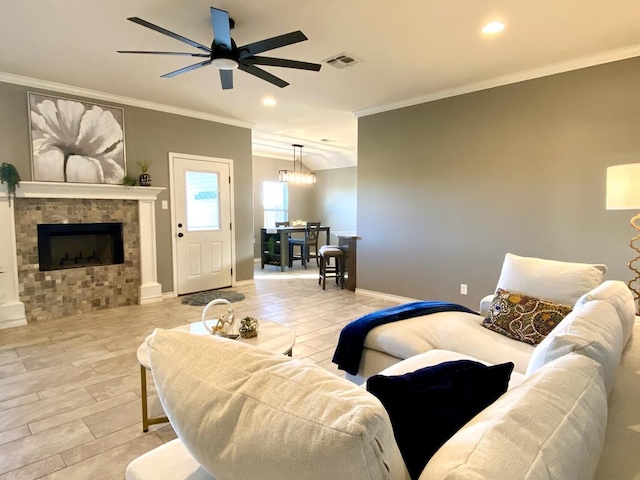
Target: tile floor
[[70, 388]]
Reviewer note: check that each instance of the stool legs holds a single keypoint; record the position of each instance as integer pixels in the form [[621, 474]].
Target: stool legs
[[337, 270]]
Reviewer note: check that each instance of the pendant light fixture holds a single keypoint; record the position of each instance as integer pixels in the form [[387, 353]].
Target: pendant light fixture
[[293, 176]]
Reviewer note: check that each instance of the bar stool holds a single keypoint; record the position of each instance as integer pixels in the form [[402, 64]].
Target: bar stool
[[326, 253]]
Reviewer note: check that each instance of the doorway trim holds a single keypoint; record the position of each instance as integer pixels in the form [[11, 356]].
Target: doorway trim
[[174, 246]]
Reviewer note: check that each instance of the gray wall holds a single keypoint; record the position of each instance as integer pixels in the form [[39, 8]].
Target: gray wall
[[447, 188], [152, 135], [335, 198]]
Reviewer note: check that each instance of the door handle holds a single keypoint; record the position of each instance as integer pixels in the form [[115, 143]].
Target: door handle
[[180, 235]]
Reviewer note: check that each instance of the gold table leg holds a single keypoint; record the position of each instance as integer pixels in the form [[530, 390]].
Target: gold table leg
[[146, 421]]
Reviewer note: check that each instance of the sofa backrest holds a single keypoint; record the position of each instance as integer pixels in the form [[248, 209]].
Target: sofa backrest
[[592, 329], [247, 413], [549, 427], [616, 293], [550, 280]]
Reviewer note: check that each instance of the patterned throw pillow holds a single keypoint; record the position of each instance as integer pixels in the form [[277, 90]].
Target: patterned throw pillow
[[523, 318]]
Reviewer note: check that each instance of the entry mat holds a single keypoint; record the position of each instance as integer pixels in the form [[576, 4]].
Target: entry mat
[[203, 298]]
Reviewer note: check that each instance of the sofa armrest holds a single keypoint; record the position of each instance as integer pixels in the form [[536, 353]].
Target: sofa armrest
[[485, 303]]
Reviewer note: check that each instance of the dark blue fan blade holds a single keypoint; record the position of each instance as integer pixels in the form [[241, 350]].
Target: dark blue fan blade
[[164, 31], [282, 62], [221, 28], [226, 77], [258, 72], [271, 43], [186, 69], [182, 54]]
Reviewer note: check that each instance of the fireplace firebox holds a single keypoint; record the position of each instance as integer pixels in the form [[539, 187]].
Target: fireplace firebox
[[75, 245]]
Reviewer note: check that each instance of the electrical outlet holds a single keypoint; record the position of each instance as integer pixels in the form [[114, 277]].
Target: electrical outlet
[[463, 288]]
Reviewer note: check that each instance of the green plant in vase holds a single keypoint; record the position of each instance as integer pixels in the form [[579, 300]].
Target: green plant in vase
[[129, 181], [145, 178], [10, 176]]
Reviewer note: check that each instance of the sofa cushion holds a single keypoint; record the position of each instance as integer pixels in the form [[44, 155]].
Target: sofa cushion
[[524, 318], [593, 330], [550, 427], [429, 405], [616, 293], [170, 461], [559, 282], [244, 412], [455, 331]]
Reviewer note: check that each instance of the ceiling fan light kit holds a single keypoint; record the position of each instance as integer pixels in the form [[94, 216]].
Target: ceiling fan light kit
[[226, 56], [293, 176], [224, 63]]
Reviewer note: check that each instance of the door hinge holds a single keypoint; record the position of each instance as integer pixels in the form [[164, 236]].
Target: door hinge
[[229, 180], [230, 226], [231, 270]]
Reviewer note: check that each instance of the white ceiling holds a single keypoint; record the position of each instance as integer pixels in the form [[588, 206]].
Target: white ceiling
[[411, 51]]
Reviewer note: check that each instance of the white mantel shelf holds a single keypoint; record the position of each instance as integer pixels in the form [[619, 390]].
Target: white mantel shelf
[[12, 311], [84, 190]]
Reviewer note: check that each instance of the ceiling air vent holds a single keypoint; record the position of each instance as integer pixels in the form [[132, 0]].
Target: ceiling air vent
[[341, 61]]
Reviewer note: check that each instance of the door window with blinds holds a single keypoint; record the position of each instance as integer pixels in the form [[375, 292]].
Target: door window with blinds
[[203, 203], [275, 203]]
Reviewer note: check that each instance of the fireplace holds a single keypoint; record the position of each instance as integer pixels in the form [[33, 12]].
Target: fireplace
[[74, 245], [28, 294]]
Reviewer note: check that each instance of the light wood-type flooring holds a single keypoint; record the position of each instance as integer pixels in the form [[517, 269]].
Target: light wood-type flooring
[[70, 388]]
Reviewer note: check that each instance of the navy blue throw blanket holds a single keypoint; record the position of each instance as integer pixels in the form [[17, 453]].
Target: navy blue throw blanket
[[351, 342]]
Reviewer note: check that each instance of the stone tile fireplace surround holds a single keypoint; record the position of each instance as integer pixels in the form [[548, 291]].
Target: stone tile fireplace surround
[[28, 294]]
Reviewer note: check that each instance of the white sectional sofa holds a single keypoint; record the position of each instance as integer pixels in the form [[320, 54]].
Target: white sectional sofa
[[242, 413]]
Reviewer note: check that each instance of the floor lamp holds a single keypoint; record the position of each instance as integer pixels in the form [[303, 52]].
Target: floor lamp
[[623, 193]]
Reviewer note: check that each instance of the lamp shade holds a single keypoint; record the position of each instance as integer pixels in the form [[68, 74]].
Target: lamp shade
[[623, 187]]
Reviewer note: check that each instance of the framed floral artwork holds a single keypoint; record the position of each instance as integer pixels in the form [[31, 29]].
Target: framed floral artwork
[[74, 141]]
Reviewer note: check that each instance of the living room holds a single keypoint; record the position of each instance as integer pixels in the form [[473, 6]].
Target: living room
[[444, 187]]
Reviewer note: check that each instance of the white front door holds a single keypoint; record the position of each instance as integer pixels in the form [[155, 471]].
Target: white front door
[[201, 189]]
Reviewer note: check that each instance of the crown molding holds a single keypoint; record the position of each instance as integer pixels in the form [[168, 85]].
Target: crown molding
[[553, 69], [110, 97]]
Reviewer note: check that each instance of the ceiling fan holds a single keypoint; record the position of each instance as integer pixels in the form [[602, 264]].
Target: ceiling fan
[[225, 55]]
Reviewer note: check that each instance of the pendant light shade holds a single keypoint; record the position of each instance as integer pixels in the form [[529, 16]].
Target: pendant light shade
[[294, 176]]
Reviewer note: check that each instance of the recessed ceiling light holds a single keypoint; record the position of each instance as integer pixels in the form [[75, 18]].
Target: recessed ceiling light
[[493, 27], [268, 102]]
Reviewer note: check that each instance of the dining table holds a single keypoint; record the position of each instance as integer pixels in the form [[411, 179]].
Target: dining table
[[283, 234]]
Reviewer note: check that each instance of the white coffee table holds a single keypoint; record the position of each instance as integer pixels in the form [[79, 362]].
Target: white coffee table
[[271, 336]]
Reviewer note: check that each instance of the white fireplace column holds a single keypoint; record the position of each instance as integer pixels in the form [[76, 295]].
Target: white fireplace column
[[150, 290], [12, 311]]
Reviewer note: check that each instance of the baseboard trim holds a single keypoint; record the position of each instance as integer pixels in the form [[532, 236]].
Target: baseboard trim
[[385, 296], [167, 295], [245, 283], [12, 314]]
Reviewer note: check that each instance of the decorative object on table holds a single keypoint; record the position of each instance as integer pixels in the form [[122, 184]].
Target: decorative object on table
[[10, 176], [144, 178], [623, 193], [298, 223], [74, 141], [248, 327], [203, 298], [226, 56], [129, 181], [293, 176], [221, 312]]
